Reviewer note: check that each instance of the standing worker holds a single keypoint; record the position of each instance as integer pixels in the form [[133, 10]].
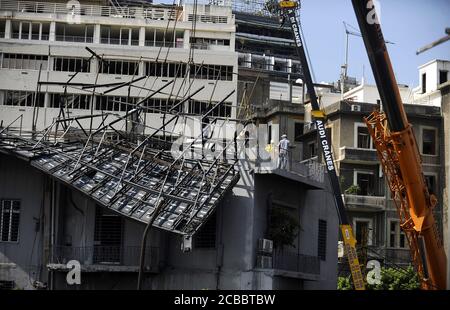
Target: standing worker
[[283, 148]]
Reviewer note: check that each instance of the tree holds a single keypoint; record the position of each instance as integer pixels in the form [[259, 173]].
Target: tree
[[391, 279]]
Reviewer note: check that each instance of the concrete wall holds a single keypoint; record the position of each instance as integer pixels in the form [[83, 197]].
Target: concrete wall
[[21, 261]]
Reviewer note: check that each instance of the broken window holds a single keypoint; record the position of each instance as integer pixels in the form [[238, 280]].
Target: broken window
[[322, 240], [23, 99], [9, 220], [71, 64], [365, 181], [72, 101], [429, 141], [206, 236]]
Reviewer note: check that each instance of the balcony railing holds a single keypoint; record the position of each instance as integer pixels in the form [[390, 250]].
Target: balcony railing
[[365, 201], [78, 39], [430, 159], [106, 255], [150, 12], [296, 262], [117, 41], [358, 155]]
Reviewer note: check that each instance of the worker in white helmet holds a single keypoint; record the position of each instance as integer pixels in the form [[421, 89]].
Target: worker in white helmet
[[283, 151]]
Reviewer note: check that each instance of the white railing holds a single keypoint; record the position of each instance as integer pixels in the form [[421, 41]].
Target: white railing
[[375, 201], [155, 13]]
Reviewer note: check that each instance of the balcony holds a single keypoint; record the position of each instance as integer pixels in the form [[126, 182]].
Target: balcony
[[277, 106], [147, 12], [358, 156], [289, 264], [77, 39], [397, 256], [364, 203], [106, 258], [430, 160]]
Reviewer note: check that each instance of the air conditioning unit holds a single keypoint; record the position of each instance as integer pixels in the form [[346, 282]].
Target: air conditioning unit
[[186, 244], [265, 246], [356, 108], [264, 262]]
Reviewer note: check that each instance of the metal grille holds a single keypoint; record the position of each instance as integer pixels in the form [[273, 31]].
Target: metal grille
[[322, 240]]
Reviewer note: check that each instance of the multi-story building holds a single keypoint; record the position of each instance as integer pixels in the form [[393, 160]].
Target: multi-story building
[[269, 83], [366, 195], [49, 216], [40, 41]]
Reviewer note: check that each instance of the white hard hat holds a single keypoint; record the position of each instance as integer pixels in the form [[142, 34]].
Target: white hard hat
[[283, 136]]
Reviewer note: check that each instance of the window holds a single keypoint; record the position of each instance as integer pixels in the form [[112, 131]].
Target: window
[[312, 149], [203, 43], [443, 76], [201, 107], [7, 285], [165, 69], [298, 131], [424, 83], [24, 61], [365, 181], [211, 72], [74, 33], [430, 181], [23, 99], [108, 233], [30, 31], [71, 64], [397, 238], [322, 240], [363, 138], [121, 67], [429, 141], [206, 236], [9, 220], [269, 133], [363, 231], [72, 101], [114, 103]]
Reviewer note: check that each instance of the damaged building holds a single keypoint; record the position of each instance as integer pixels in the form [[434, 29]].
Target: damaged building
[[90, 112]]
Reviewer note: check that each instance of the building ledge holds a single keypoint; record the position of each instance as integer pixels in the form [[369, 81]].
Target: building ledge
[[102, 268], [295, 176], [289, 274]]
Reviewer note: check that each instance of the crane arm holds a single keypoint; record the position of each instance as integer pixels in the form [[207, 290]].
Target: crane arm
[[288, 8], [404, 165]]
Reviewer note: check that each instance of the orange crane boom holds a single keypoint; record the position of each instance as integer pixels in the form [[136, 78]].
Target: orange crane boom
[[399, 155]]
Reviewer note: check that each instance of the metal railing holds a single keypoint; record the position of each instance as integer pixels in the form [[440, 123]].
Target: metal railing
[[150, 12], [289, 261], [117, 41], [375, 201], [106, 255], [82, 39]]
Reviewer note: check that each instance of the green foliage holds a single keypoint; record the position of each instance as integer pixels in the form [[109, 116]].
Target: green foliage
[[353, 190], [283, 227], [391, 279]]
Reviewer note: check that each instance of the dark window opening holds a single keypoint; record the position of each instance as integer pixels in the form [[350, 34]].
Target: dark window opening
[[365, 181], [108, 232], [9, 220], [429, 141], [322, 240], [206, 236], [298, 131], [431, 183], [424, 83], [362, 232], [363, 138], [443, 76]]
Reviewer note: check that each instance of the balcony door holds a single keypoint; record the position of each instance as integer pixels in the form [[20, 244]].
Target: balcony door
[[108, 233]]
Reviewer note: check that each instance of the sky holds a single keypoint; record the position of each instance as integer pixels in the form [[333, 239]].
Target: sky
[[409, 24]]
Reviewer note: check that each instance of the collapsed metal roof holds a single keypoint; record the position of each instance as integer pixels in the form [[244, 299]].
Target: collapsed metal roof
[[131, 184]]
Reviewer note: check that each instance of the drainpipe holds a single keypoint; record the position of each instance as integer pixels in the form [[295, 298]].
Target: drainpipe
[[144, 241]]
